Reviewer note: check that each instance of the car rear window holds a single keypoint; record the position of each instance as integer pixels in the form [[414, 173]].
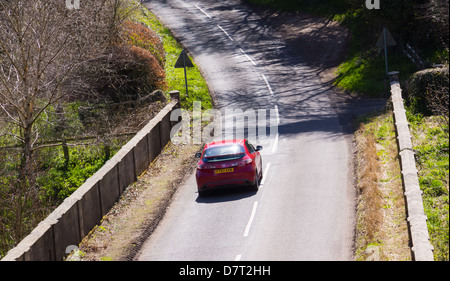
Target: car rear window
[[223, 153]]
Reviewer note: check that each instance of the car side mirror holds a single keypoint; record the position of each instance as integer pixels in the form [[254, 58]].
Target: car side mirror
[[198, 155], [259, 148]]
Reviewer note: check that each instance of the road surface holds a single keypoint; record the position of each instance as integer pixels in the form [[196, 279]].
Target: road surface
[[304, 209]]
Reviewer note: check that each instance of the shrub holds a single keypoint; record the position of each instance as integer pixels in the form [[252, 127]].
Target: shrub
[[141, 36], [427, 91], [123, 73]]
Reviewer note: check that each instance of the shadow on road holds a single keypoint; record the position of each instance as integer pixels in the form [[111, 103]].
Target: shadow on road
[[227, 194]]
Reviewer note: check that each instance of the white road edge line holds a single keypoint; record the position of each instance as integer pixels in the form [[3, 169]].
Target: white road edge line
[[265, 175], [250, 221], [226, 33], [267, 83], [248, 57], [203, 11], [238, 258]]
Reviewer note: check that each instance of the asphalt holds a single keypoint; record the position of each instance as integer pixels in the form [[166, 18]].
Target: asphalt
[[305, 208]]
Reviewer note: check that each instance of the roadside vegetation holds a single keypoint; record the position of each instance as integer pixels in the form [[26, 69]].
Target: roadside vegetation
[[430, 139], [423, 26], [381, 211], [75, 85], [381, 230], [198, 90]]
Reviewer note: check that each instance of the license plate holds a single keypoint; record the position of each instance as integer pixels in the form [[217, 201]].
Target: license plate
[[227, 170]]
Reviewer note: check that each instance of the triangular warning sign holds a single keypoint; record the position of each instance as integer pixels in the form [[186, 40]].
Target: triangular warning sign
[[389, 39], [183, 61]]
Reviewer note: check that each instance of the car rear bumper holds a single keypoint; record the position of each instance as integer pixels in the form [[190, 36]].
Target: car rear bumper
[[223, 184], [208, 181]]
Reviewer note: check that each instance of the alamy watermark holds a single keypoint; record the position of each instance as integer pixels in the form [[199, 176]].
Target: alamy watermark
[[373, 4], [258, 126], [73, 4]]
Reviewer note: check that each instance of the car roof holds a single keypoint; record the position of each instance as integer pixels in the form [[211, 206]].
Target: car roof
[[226, 142]]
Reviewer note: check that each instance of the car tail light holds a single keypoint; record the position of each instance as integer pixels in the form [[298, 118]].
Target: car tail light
[[244, 162]]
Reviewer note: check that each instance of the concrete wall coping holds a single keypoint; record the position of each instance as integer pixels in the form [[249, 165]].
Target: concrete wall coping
[[422, 249]]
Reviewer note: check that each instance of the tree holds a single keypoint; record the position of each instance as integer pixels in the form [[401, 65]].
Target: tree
[[42, 45], [437, 12]]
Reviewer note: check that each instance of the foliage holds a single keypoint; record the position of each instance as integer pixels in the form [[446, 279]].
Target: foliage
[[59, 179], [198, 89], [141, 36], [364, 72], [77, 132], [430, 141], [428, 91], [380, 208]]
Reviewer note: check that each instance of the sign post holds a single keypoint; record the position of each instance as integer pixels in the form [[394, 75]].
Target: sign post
[[384, 41], [184, 61]]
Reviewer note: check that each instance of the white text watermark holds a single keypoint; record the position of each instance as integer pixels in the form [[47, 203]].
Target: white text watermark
[[73, 4], [373, 4], [258, 126]]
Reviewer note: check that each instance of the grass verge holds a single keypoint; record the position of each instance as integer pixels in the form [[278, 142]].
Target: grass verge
[[381, 232], [430, 141], [198, 89], [363, 72], [381, 212]]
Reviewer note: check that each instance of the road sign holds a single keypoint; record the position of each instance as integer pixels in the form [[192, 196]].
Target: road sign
[[184, 61], [385, 36], [384, 41]]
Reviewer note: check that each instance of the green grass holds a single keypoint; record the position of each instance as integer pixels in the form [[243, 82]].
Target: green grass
[[430, 140], [198, 89], [60, 181], [365, 72]]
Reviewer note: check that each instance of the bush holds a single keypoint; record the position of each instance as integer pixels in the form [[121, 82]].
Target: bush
[[151, 69], [427, 91], [124, 73], [141, 36]]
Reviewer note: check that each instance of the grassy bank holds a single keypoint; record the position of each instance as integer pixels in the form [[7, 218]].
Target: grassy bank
[[430, 141], [381, 229], [381, 212], [198, 89]]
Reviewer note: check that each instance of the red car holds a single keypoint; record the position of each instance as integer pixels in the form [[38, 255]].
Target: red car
[[231, 162]]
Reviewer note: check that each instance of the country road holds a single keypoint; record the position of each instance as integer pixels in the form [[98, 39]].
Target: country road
[[305, 207]]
